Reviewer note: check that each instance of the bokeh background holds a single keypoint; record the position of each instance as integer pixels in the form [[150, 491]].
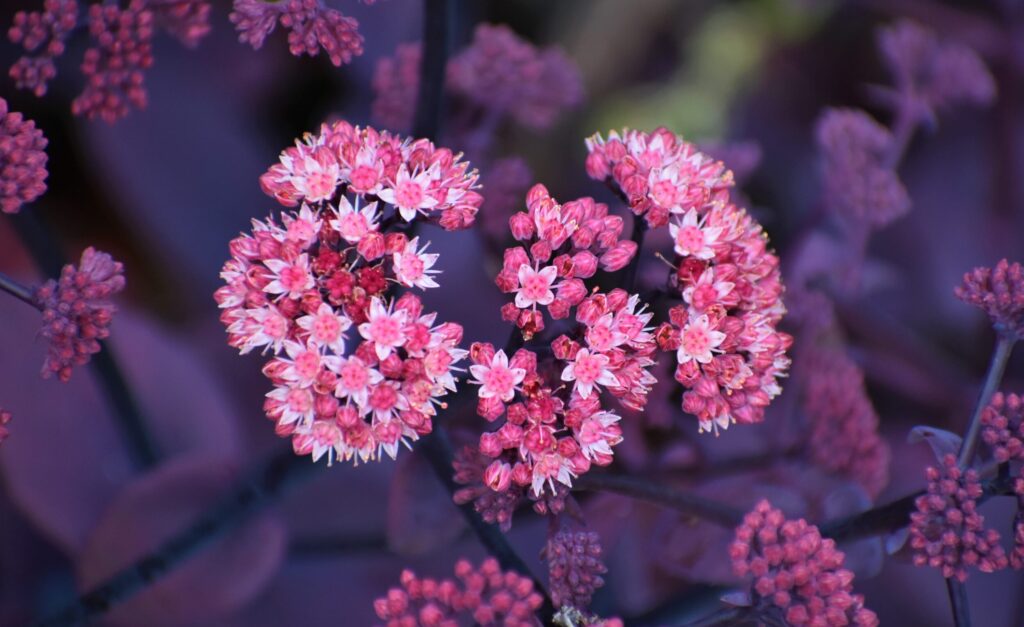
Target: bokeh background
[[166, 188]]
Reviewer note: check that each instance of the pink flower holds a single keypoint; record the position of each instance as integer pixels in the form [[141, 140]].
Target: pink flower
[[354, 224], [535, 286], [384, 328], [698, 341], [597, 434], [22, 160], [326, 328], [355, 380], [692, 238], [497, 379], [409, 194], [77, 311], [413, 267], [289, 278], [312, 27], [589, 370]]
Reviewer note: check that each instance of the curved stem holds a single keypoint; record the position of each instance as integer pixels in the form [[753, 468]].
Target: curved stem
[[996, 368], [636, 487], [269, 480]]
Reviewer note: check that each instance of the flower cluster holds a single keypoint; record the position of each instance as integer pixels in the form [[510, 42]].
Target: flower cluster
[[42, 34], [1003, 432], [114, 65], [999, 292], [499, 74], [860, 184], [566, 244], [484, 596], [22, 160], [725, 335], [930, 74], [356, 372], [946, 531], [844, 436], [574, 567], [77, 311], [414, 177], [5, 419], [798, 575], [311, 27]]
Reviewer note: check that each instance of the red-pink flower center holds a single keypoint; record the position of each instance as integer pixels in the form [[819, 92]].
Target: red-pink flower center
[[353, 376], [588, 368], [353, 226], [294, 278], [326, 328], [664, 193], [299, 400], [388, 432], [499, 379], [412, 266], [307, 364], [600, 337], [383, 398], [409, 194], [690, 239], [535, 286], [363, 178], [275, 326], [320, 185], [590, 431], [301, 231], [437, 362], [387, 331], [696, 340]]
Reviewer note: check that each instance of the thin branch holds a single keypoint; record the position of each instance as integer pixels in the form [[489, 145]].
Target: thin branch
[[996, 368], [17, 290], [437, 18], [958, 602], [267, 481], [639, 488]]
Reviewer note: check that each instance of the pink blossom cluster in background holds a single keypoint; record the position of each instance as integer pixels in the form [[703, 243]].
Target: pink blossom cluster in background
[[483, 595], [1003, 432], [22, 160], [999, 292], [798, 576], [357, 372], [77, 311], [311, 26]]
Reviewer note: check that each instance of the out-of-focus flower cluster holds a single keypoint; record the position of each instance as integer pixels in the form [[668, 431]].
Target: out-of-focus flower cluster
[[498, 74], [22, 160], [1003, 432], [77, 311], [311, 26], [930, 74], [860, 184], [356, 372], [114, 65], [5, 419], [843, 425], [946, 531], [725, 335], [575, 568], [798, 576], [999, 292], [484, 596]]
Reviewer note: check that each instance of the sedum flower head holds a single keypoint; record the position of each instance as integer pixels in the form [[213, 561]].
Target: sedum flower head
[[725, 336], [859, 185], [485, 596], [77, 311], [946, 531], [357, 371], [844, 436], [999, 292], [798, 576], [22, 160], [42, 35], [575, 568]]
